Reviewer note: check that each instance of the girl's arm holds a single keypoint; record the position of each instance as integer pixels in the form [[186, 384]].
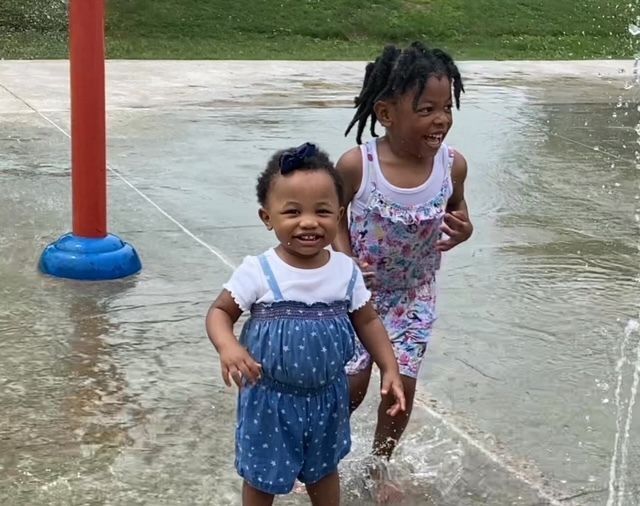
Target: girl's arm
[[350, 168], [374, 337], [235, 361], [457, 224]]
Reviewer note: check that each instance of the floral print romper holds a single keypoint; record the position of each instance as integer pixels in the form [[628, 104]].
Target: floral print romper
[[395, 230]]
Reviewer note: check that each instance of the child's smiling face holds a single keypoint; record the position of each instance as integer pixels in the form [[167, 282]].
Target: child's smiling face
[[425, 124], [303, 208]]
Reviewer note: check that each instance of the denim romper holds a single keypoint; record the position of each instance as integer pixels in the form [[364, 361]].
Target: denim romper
[[294, 423]]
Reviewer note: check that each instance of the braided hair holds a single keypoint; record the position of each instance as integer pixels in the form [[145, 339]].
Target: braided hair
[[397, 71]]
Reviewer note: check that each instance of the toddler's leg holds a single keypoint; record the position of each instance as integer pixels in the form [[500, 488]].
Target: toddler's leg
[[390, 428], [358, 385], [254, 497], [325, 492]]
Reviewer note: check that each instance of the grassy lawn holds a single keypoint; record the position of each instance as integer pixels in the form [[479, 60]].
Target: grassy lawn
[[329, 29]]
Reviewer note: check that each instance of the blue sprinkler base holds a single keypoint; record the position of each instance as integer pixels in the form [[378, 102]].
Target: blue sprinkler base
[[74, 257]]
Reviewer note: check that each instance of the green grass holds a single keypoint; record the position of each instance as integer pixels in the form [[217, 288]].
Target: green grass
[[329, 29]]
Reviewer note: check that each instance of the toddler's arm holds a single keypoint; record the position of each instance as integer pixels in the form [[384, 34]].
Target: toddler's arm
[[235, 361], [375, 339]]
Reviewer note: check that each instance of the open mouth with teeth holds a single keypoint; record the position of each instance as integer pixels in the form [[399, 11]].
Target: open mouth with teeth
[[434, 139], [308, 238]]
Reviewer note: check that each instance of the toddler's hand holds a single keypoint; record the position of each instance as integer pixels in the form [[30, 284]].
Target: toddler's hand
[[237, 365], [458, 227], [392, 384]]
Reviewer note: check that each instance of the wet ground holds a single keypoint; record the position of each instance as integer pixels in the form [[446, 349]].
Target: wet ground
[[110, 393]]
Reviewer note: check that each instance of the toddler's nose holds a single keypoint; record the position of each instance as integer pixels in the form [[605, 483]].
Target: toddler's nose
[[308, 222]]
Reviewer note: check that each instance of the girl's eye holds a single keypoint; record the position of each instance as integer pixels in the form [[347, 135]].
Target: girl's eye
[[448, 108], [324, 211], [290, 211], [426, 110]]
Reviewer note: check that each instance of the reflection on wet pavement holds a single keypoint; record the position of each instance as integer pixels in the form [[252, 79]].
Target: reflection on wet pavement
[[110, 394]]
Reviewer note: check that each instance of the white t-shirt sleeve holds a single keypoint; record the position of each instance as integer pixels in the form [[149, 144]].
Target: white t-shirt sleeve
[[247, 283], [361, 294]]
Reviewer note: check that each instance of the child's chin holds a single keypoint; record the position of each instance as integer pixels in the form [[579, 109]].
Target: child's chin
[[309, 252], [433, 145], [311, 248]]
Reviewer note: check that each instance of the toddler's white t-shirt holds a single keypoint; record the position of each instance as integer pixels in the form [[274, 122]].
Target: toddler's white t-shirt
[[248, 284]]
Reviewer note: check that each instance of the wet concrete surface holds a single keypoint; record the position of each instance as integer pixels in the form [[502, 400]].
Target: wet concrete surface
[[110, 393]]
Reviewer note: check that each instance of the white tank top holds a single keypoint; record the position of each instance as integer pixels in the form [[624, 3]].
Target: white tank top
[[373, 178]]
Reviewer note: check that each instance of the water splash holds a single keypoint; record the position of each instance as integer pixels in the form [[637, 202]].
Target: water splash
[[43, 16], [427, 464], [634, 30], [41, 23], [618, 468], [625, 408], [631, 328]]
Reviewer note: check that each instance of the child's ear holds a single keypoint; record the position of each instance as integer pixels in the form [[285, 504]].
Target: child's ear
[[266, 219], [383, 112], [340, 213]]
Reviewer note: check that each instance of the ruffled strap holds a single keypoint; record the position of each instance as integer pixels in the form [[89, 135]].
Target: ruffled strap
[[451, 156], [406, 214]]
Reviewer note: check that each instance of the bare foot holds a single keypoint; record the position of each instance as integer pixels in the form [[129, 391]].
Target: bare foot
[[388, 492], [382, 488]]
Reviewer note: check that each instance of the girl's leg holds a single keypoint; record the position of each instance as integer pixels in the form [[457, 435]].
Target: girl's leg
[[390, 428], [358, 385], [325, 492], [254, 497]]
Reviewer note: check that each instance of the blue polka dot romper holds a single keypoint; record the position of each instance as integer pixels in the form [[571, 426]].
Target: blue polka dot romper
[[294, 423]]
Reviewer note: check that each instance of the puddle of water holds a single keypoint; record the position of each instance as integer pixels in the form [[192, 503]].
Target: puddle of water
[[114, 395]]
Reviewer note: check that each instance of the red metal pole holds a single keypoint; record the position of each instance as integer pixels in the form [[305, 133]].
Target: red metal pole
[[88, 139]]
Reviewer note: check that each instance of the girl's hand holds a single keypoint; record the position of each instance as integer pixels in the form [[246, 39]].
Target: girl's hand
[[237, 365], [392, 385], [368, 275], [458, 227]]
